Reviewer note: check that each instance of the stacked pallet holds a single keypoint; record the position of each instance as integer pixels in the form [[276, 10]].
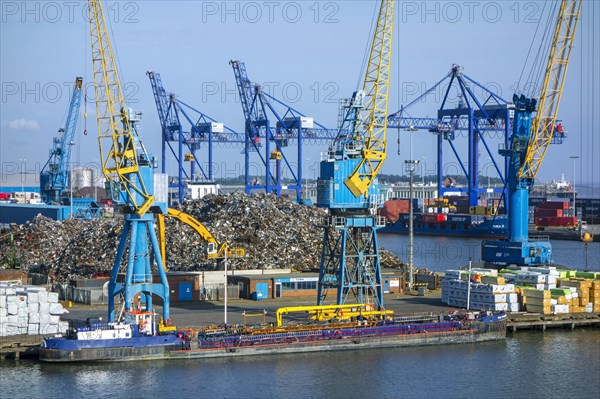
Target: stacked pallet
[[547, 290], [29, 310], [540, 278], [587, 292], [485, 290]]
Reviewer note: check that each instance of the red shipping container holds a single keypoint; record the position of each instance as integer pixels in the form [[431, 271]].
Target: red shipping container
[[554, 205], [565, 221], [393, 208], [541, 212], [4, 196], [433, 218]]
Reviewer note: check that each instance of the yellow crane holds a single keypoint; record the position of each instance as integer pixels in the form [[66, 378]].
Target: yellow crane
[[375, 89], [350, 258], [544, 122], [529, 142], [129, 170]]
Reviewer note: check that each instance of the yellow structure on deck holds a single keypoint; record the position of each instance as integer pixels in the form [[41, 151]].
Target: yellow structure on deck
[[340, 312]]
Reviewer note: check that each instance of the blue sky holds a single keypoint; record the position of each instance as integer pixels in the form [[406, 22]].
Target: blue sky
[[307, 52]]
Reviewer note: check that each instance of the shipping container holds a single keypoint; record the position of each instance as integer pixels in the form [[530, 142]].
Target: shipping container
[[433, 218], [542, 212], [392, 209], [554, 205], [564, 221], [535, 201], [22, 213]]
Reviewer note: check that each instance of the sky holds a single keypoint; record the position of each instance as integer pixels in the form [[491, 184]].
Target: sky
[[306, 53]]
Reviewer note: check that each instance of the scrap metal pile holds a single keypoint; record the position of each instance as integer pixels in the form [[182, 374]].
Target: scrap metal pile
[[275, 233]]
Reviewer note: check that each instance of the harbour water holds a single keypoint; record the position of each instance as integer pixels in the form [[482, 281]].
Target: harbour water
[[439, 254], [529, 364]]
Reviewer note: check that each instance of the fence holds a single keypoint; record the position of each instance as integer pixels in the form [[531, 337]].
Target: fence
[[216, 292], [87, 296]]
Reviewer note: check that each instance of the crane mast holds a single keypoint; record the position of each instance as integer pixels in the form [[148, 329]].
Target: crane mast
[[141, 193], [129, 171], [529, 142], [54, 176], [347, 185]]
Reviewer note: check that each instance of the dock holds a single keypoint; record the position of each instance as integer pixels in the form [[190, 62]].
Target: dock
[[18, 346], [534, 321]]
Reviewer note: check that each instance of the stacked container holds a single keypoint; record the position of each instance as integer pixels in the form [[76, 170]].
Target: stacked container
[[553, 214]]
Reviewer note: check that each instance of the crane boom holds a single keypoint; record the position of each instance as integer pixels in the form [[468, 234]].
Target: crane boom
[[376, 96], [119, 143], [554, 79]]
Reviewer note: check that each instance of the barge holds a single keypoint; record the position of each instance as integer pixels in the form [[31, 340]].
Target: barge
[[128, 340]]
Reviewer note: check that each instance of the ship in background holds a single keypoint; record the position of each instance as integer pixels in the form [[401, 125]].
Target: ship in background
[[555, 189], [449, 216], [452, 216]]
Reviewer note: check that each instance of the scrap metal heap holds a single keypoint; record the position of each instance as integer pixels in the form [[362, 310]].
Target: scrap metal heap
[[275, 233]]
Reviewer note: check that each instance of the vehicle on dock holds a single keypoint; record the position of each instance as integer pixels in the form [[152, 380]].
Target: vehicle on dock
[[139, 337]]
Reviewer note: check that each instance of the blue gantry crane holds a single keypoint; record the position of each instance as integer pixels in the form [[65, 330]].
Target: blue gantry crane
[[184, 142], [348, 185], [54, 177], [474, 117], [273, 130], [529, 141]]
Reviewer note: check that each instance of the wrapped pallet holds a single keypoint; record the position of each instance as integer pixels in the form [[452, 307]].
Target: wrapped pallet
[[26, 310]]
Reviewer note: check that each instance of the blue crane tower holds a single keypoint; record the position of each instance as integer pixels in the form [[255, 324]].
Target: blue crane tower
[[54, 177], [184, 143], [129, 171], [348, 186], [289, 126], [527, 148]]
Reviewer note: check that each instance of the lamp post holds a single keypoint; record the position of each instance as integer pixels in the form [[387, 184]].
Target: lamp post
[[96, 179], [574, 158], [410, 166], [22, 179], [225, 293], [423, 178], [72, 143], [305, 196]]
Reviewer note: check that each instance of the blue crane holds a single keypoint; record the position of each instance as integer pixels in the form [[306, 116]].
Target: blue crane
[[173, 115], [348, 186], [54, 177], [529, 141], [474, 117], [290, 126]]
